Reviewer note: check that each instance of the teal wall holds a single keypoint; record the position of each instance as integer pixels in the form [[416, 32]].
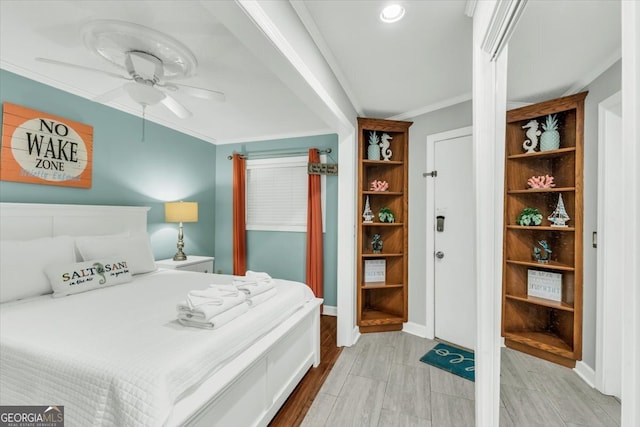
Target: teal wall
[[167, 165], [281, 254]]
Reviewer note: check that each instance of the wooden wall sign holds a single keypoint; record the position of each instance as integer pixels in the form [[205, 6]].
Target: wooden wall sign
[[41, 148]]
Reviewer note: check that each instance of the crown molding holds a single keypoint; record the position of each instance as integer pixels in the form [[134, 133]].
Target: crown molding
[[432, 107], [594, 73]]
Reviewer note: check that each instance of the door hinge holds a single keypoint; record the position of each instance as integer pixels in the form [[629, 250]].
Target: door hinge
[[432, 174]]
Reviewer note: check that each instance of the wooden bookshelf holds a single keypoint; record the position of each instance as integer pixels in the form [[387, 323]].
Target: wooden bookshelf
[[383, 306], [544, 327]]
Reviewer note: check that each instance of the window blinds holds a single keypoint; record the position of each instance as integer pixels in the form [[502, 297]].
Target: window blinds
[[277, 194]]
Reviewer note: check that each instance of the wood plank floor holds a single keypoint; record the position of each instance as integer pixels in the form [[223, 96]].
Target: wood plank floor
[[295, 408], [380, 382]]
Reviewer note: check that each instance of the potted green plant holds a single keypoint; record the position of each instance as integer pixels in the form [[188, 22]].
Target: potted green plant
[[529, 216], [386, 215]]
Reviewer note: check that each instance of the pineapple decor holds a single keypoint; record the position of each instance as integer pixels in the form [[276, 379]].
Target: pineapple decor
[[550, 138], [373, 151]]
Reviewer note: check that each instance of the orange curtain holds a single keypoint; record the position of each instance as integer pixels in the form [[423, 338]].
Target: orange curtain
[[315, 266], [239, 222]]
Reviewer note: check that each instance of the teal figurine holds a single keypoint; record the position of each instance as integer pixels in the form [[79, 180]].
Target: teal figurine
[[376, 243], [542, 255]]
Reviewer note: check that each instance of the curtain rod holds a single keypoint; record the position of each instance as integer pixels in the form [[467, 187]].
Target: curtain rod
[[265, 155]]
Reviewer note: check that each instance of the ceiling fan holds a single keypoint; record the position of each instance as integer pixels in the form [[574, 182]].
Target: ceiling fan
[[150, 59]]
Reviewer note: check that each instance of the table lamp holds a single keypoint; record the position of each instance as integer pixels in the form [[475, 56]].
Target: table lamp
[[180, 212]]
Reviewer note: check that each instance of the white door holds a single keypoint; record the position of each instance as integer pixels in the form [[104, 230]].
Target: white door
[[454, 241]]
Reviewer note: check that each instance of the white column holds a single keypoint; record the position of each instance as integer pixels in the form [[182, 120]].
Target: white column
[[631, 213], [347, 331], [489, 108]]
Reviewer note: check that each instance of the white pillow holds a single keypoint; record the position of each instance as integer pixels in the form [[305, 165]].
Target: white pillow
[[69, 279], [136, 249], [22, 265], [79, 255]]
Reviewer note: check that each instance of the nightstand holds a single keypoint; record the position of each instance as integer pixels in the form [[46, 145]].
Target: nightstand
[[202, 264]]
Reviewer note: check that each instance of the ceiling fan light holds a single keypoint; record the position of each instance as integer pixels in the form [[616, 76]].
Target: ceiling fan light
[[144, 94], [392, 13]]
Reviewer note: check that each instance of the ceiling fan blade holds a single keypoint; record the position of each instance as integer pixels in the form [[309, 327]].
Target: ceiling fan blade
[[198, 92], [175, 107], [81, 67], [110, 95]]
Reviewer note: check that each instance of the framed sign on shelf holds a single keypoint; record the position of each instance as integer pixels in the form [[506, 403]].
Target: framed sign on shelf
[[375, 271], [544, 284]]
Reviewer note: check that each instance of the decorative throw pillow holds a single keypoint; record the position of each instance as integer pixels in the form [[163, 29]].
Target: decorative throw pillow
[[136, 249], [69, 279], [22, 265]]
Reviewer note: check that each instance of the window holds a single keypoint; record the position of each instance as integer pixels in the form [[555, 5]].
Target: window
[[277, 194]]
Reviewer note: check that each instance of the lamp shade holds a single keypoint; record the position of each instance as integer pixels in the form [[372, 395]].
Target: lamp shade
[[181, 212]]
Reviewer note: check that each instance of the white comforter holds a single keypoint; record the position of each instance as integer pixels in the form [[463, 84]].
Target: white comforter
[[117, 356]]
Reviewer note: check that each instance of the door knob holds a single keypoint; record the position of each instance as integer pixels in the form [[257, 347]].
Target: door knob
[[439, 254]]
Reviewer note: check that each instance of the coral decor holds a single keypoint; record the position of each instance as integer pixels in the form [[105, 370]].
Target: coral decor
[[545, 181], [379, 185]]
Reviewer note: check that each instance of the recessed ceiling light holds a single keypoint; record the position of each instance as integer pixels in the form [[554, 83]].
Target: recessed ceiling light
[[392, 13]]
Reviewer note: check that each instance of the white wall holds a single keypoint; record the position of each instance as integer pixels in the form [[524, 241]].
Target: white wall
[[601, 88], [454, 117]]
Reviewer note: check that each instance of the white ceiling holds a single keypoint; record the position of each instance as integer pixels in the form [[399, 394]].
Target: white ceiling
[[561, 46], [257, 102], [391, 69], [388, 70]]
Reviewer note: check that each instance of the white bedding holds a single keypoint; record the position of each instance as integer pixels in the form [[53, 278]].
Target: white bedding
[[117, 356]]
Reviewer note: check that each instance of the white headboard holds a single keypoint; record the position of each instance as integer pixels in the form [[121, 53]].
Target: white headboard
[[25, 221]]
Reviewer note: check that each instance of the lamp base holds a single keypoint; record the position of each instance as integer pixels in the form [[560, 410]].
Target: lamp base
[[180, 256]]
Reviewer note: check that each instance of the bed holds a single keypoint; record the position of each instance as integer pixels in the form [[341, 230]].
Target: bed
[[117, 356]]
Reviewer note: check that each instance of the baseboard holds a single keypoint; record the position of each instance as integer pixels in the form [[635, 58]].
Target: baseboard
[[356, 335], [329, 310], [585, 372], [415, 329]]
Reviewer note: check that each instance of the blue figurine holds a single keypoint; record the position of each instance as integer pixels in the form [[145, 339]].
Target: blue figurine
[[542, 255], [376, 243]]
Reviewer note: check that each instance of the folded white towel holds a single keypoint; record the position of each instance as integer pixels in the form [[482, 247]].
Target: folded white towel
[[254, 283], [216, 321], [251, 288], [204, 312], [260, 298], [187, 306], [257, 275], [215, 291], [205, 304], [213, 295]]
